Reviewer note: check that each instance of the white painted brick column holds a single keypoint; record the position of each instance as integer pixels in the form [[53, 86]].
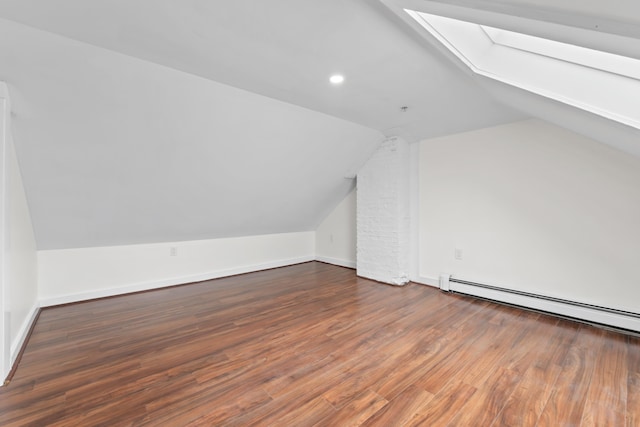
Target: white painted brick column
[[383, 246]]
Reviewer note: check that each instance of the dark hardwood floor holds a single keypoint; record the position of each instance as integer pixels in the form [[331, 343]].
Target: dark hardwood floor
[[312, 344]]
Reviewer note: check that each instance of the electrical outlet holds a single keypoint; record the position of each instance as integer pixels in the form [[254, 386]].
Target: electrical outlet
[[173, 251], [457, 253]]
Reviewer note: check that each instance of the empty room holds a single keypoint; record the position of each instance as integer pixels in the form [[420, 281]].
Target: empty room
[[320, 213]]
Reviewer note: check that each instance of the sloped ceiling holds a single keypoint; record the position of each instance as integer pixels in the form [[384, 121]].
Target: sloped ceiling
[[116, 150], [164, 120], [612, 27], [285, 49]]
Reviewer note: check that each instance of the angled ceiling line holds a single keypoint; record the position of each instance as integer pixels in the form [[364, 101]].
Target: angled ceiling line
[[623, 66], [596, 81]]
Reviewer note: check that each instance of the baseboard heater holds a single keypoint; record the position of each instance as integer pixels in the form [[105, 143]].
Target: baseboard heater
[[587, 312]]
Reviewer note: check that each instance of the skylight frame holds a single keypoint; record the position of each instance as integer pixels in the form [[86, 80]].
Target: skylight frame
[[613, 93], [592, 58]]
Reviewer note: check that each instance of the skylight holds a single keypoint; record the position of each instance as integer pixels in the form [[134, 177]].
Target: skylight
[[605, 61], [599, 82]]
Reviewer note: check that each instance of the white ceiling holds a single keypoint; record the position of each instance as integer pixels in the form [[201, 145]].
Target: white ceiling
[[286, 49], [115, 150], [612, 27], [127, 132]]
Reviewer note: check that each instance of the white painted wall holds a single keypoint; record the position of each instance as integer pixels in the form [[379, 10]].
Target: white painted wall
[[5, 321], [336, 235], [383, 214], [21, 257], [20, 302], [534, 208], [68, 275]]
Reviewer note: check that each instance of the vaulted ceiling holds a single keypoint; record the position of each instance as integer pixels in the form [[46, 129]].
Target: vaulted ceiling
[[285, 49], [161, 120]]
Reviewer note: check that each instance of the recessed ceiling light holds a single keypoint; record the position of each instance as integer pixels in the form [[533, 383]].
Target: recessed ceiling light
[[336, 79]]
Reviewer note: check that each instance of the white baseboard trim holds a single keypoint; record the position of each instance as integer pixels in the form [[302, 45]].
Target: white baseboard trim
[[603, 317], [163, 283], [429, 281], [19, 340], [337, 261]]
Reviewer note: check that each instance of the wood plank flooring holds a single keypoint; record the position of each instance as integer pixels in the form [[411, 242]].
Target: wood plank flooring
[[312, 344]]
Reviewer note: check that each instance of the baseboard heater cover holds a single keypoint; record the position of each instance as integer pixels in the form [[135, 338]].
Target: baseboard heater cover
[[588, 312]]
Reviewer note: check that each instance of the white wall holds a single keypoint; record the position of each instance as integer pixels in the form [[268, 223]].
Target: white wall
[[68, 275], [21, 257], [383, 214], [534, 208], [20, 303], [336, 235]]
